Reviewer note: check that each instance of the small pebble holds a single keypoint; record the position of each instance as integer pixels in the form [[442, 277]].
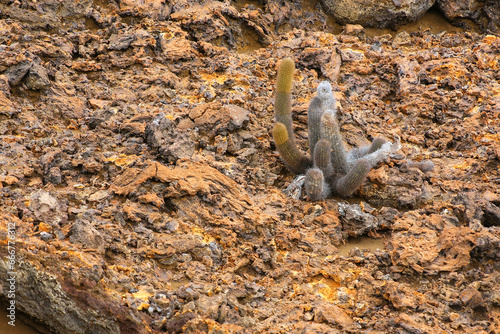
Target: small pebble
[[45, 236]]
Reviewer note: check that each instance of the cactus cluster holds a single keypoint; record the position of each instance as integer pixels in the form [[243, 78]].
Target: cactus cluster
[[330, 169]]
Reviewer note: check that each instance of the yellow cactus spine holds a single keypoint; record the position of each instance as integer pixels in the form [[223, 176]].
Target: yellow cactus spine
[[283, 99], [291, 155]]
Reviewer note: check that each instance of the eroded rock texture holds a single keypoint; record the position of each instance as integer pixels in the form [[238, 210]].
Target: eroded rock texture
[[484, 13], [137, 165], [376, 13]]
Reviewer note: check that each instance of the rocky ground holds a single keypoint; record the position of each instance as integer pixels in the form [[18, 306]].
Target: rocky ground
[[137, 165]]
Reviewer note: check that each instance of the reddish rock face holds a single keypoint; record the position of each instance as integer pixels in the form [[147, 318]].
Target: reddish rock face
[[141, 191]]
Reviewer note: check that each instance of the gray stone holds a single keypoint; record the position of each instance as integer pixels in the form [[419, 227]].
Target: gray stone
[[491, 216], [171, 144], [182, 147], [16, 73], [46, 208], [45, 236], [377, 13], [209, 305], [486, 14], [120, 42], [82, 232], [355, 221], [454, 9], [99, 196], [238, 117], [37, 78], [54, 176]]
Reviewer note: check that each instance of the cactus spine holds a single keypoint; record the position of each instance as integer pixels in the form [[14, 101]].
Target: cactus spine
[[348, 184], [331, 169], [323, 158], [316, 187], [314, 113], [293, 158], [283, 130], [283, 99], [330, 131]]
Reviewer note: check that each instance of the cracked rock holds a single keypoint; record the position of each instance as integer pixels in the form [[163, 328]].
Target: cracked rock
[[83, 233], [162, 135], [37, 78], [17, 72], [46, 208], [374, 13]]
